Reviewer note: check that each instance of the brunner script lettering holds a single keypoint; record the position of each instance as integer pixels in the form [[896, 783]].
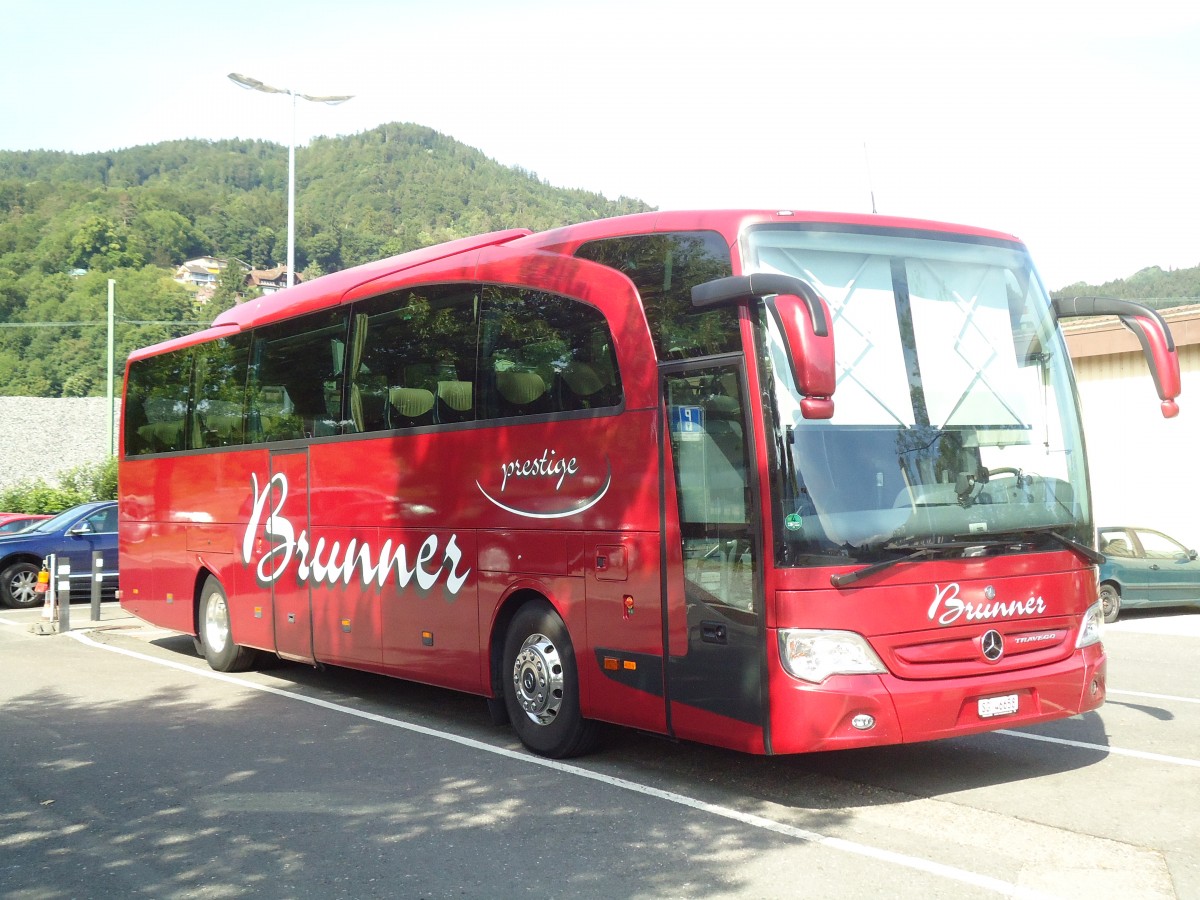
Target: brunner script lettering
[[330, 564], [948, 607]]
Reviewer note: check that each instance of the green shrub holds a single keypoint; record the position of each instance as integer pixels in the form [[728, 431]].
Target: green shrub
[[94, 481]]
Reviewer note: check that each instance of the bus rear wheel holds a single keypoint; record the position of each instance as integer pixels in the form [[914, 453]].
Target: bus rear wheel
[[216, 635], [541, 685]]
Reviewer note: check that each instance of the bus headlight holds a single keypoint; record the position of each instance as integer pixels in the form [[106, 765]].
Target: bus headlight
[[1091, 630], [812, 655]]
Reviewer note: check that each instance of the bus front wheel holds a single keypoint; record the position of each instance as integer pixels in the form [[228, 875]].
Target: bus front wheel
[[541, 685], [216, 636]]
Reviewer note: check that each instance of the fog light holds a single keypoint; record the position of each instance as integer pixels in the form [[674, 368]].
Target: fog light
[[863, 722]]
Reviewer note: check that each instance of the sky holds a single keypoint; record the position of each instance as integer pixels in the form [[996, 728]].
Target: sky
[[1069, 124]]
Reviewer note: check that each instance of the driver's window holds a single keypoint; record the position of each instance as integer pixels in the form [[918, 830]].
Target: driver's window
[[1159, 546], [102, 521]]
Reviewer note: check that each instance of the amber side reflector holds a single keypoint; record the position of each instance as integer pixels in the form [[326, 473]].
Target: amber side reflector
[[610, 664], [427, 638], [629, 664]]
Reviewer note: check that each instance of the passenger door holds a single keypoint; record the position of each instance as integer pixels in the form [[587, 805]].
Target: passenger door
[[291, 599], [720, 669]]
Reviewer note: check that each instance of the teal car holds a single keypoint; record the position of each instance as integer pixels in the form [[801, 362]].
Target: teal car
[[1143, 568]]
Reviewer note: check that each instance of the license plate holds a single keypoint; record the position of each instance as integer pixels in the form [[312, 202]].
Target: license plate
[[997, 706]]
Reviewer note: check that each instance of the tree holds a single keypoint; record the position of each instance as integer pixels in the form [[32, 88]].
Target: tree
[[101, 244], [231, 283], [168, 238]]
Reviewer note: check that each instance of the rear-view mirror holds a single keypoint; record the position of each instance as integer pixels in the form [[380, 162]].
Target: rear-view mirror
[[804, 321], [1152, 333]]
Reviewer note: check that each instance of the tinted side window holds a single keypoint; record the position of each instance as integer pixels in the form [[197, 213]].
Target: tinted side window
[[218, 416], [156, 403], [413, 358], [665, 267], [541, 353], [296, 378]]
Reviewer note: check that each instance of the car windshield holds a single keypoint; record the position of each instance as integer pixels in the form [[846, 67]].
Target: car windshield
[[955, 412], [59, 522]]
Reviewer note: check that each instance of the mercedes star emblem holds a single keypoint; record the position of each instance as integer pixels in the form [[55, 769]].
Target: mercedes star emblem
[[993, 645]]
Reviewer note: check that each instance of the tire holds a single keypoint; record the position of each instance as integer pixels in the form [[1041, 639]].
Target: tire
[[541, 685], [17, 586], [1110, 601], [216, 634]]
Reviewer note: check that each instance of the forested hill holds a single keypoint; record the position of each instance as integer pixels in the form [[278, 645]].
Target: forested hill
[[69, 222], [1153, 286]]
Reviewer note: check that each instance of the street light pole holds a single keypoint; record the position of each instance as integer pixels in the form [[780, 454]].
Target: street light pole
[[254, 84]]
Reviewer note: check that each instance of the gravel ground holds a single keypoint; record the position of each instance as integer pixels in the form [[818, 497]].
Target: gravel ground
[[41, 437]]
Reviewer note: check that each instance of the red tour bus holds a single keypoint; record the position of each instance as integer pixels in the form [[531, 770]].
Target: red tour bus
[[601, 474]]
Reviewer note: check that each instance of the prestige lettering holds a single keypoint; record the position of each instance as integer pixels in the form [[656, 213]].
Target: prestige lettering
[[329, 564], [544, 466], [947, 607]]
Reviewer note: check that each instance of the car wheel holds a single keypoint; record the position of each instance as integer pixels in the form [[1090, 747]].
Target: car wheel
[[541, 685], [216, 635], [18, 585], [1110, 601]]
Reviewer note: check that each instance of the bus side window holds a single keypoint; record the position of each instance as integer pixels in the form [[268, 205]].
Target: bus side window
[[297, 372], [157, 400], [664, 268], [541, 353], [414, 358], [218, 414]]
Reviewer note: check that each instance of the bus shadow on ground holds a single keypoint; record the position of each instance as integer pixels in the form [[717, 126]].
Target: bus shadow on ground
[[824, 784]]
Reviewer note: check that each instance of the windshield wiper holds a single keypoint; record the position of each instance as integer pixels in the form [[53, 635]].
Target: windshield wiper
[[1050, 531], [984, 540], [848, 578]]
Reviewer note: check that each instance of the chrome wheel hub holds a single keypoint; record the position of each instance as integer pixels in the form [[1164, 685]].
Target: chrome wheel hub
[[216, 623], [24, 588], [538, 679]]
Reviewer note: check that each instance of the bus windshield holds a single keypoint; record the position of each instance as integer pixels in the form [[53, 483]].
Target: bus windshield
[[955, 414]]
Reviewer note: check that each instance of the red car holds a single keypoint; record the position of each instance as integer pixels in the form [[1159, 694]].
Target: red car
[[11, 523]]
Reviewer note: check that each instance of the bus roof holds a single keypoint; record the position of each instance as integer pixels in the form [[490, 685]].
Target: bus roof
[[730, 224], [317, 294]]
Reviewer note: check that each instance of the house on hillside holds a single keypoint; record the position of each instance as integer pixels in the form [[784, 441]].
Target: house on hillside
[[268, 281], [201, 275]]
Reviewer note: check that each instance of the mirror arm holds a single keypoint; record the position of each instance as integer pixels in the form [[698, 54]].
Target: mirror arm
[[736, 288], [1152, 332]]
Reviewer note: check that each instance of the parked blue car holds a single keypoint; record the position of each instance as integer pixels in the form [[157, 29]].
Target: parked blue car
[[72, 534], [1144, 567]]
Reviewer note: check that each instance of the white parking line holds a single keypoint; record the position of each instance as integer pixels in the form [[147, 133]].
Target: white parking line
[[1187, 625], [1168, 697], [952, 873], [1102, 748]]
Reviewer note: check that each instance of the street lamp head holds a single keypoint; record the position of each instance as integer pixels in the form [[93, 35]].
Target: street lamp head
[[254, 84], [331, 100]]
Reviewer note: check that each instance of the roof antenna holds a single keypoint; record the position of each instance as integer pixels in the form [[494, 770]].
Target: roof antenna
[[870, 185]]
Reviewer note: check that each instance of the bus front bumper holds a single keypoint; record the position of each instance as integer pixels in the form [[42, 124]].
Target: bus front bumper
[[848, 711]]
